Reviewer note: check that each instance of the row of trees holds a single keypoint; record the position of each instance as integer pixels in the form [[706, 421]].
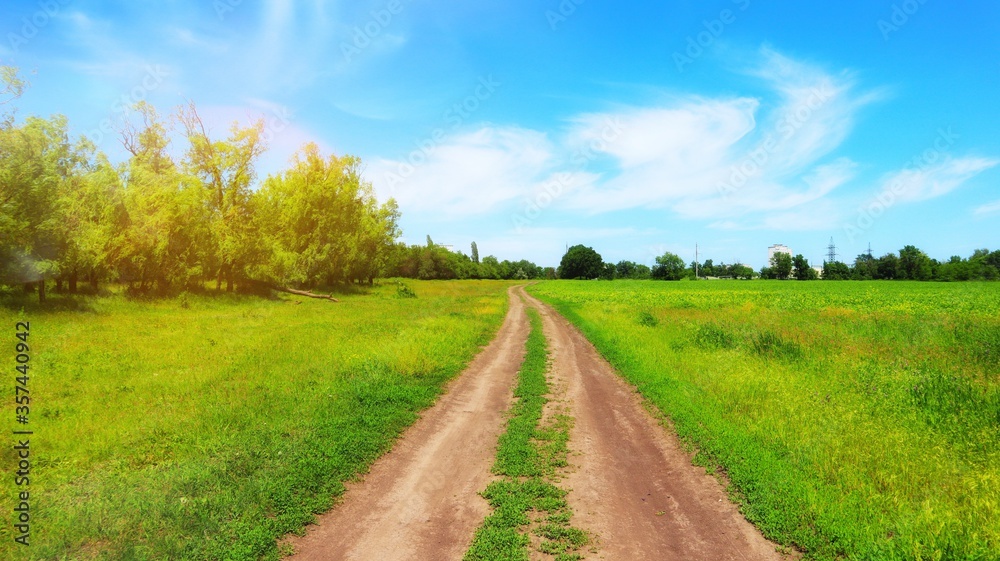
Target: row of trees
[[582, 262], [433, 261], [155, 222], [910, 263]]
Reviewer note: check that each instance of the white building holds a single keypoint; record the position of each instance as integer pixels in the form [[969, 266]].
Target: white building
[[777, 248]]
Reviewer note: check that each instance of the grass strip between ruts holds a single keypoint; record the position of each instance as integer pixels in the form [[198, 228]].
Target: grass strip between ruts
[[525, 501]]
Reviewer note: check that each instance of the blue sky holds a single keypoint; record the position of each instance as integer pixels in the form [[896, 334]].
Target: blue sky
[[527, 126]]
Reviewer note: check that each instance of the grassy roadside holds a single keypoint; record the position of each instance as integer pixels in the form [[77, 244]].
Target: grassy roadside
[[854, 420], [206, 427], [526, 501]]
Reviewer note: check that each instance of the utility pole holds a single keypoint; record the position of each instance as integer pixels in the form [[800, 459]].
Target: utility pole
[[695, 260]]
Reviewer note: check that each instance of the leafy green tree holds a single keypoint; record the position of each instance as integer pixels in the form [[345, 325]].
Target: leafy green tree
[[865, 268], [781, 266], [669, 266], [581, 262], [914, 264], [608, 272], [803, 271], [888, 266], [475, 253], [226, 168], [166, 236], [836, 271], [35, 165], [91, 213], [321, 224]]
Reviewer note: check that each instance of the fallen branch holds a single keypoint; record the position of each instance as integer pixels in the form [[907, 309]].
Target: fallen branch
[[305, 293]]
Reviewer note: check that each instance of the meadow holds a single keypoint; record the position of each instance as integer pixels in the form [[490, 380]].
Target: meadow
[[852, 420], [208, 426]]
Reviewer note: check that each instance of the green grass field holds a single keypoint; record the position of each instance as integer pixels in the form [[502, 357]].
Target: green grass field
[[205, 427], [853, 420]]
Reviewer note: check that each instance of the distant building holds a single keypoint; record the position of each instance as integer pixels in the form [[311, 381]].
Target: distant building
[[777, 248], [819, 271]]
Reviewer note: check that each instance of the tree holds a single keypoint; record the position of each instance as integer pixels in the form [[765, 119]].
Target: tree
[[914, 264], [475, 253], [625, 269], [781, 266], [91, 213], [321, 224], [865, 268], [888, 266], [35, 164], [669, 266], [166, 235], [836, 271], [581, 262], [608, 272], [803, 271], [226, 168]]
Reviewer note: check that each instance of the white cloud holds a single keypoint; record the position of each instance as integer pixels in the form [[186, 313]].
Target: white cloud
[[470, 173], [929, 182], [988, 209], [738, 162], [722, 159]]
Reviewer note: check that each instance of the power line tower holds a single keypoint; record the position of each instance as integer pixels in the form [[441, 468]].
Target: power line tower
[[870, 250], [831, 252], [695, 260]]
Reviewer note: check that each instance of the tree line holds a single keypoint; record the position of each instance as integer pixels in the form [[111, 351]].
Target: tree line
[[155, 223], [433, 261], [909, 263]]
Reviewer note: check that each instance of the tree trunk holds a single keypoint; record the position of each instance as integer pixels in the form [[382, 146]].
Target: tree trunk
[[41, 291], [218, 280], [59, 284], [73, 277], [93, 280], [229, 279], [29, 287]]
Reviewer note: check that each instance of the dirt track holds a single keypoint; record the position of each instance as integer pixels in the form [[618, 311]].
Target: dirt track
[[420, 500], [631, 484]]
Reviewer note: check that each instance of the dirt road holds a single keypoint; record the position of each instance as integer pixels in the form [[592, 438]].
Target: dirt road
[[630, 483], [420, 500]]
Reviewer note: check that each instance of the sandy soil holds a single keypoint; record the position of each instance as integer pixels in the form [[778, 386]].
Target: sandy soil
[[420, 501], [630, 482]]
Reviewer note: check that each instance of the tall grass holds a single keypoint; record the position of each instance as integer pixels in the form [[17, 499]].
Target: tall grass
[[207, 427], [853, 420]]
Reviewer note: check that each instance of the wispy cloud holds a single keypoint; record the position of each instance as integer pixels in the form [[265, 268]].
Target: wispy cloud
[[988, 209], [913, 185], [471, 173], [723, 160]]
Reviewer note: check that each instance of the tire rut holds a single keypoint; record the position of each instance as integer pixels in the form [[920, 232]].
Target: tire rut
[[420, 501], [631, 484]]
